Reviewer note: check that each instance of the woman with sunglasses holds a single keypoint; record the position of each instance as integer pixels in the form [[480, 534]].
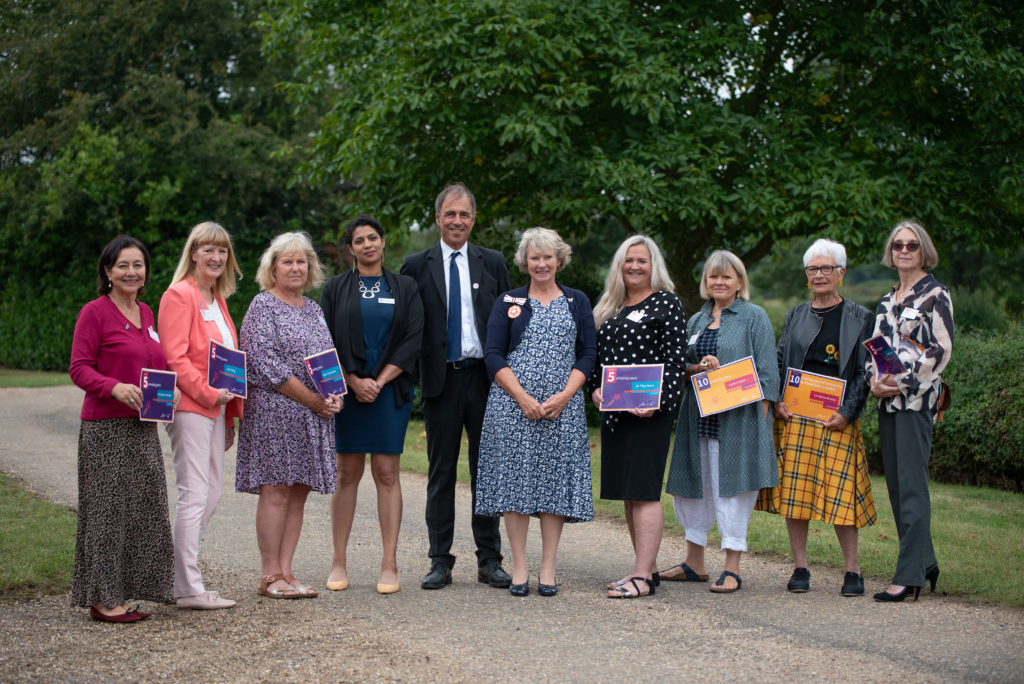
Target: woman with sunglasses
[[916, 319], [823, 467]]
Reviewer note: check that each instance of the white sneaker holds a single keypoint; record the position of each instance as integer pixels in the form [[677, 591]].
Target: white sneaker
[[209, 600]]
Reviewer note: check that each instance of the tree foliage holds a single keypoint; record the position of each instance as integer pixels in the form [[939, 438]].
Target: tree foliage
[[707, 124], [136, 117]]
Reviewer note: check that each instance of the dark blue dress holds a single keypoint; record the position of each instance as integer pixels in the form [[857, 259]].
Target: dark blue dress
[[537, 466], [377, 428]]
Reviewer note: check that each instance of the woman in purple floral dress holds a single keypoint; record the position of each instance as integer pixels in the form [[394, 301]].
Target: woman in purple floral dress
[[286, 440]]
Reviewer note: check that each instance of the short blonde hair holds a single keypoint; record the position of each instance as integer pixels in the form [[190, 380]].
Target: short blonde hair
[[289, 243], [720, 261], [929, 255], [209, 233], [542, 240]]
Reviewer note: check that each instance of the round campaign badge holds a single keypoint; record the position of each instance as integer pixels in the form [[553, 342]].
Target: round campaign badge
[[514, 311]]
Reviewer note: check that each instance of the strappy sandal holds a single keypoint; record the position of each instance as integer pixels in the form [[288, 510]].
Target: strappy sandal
[[263, 589], [688, 574], [719, 588], [624, 591], [655, 577], [305, 590]]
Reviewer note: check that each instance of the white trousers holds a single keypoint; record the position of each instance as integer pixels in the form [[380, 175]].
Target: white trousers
[[697, 516], [198, 446]]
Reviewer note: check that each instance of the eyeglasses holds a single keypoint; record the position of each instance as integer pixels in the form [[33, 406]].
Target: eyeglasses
[[825, 270], [911, 246]]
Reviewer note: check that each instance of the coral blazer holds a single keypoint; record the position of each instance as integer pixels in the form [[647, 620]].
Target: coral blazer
[[185, 338]]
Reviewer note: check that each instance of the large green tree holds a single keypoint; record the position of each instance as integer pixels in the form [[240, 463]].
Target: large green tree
[[134, 116], [707, 124]]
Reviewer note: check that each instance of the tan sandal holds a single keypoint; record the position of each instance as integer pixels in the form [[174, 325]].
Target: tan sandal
[[305, 591], [263, 589]]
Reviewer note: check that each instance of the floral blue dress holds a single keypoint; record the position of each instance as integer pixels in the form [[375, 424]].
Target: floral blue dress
[[537, 466]]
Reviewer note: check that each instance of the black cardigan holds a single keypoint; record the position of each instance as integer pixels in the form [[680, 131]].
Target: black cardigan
[[341, 300]]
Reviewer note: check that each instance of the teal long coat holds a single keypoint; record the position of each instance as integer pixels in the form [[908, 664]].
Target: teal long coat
[[746, 450]]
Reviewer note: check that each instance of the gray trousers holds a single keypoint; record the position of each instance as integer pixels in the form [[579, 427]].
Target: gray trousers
[[906, 441]]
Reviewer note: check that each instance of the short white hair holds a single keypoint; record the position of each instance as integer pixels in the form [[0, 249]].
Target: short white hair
[[824, 247]]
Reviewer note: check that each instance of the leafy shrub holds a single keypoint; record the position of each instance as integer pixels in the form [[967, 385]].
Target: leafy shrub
[[978, 309], [980, 441]]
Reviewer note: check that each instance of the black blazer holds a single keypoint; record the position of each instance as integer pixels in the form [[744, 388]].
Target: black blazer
[[340, 301], [488, 273]]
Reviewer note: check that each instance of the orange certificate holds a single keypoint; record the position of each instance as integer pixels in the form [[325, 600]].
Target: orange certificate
[[726, 387], [811, 395]]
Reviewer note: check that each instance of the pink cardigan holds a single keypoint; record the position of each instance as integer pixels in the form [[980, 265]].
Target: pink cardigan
[[108, 349], [185, 338]]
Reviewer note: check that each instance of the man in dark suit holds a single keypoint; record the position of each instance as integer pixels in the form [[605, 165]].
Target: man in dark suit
[[454, 381]]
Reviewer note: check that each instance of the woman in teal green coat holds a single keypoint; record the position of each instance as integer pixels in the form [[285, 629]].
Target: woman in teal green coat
[[721, 461]]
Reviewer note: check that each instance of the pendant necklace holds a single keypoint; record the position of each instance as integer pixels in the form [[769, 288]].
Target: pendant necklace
[[369, 293]]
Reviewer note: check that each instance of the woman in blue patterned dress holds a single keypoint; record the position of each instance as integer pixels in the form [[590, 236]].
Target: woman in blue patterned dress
[[286, 440], [535, 452]]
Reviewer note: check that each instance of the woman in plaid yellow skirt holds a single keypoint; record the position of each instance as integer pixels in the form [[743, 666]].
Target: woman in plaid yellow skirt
[[823, 473]]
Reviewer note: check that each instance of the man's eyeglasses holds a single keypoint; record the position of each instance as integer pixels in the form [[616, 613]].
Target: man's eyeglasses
[[911, 246]]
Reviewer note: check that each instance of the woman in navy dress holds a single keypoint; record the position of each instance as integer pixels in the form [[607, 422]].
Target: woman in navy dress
[[535, 451], [376, 320]]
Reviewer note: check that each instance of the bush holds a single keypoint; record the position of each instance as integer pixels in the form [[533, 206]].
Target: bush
[[978, 310], [980, 441]]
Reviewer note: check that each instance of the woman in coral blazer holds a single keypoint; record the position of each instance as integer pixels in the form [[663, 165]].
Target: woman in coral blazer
[[193, 312]]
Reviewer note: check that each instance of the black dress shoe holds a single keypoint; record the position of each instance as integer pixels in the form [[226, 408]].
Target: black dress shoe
[[800, 582], [886, 597], [439, 575], [853, 585], [493, 574]]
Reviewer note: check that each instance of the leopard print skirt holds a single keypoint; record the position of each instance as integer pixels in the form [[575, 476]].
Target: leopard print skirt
[[124, 548]]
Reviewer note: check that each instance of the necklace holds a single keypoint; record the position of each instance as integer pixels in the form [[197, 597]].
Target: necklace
[[372, 291], [827, 309]]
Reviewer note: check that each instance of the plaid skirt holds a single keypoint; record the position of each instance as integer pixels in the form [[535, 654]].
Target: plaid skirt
[[823, 475]]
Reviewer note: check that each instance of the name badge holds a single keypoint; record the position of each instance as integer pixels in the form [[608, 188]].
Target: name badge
[[323, 321], [386, 300], [207, 314], [152, 333], [910, 313], [637, 316], [693, 339]]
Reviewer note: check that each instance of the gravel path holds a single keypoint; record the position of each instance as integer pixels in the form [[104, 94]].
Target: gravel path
[[469, 631]]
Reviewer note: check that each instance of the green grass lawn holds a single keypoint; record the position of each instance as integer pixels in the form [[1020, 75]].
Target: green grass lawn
[[11, 377], [37, 544], [978, 533]]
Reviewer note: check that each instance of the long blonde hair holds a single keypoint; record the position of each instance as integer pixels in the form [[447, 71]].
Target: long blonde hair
[[614, 295], [209, 233]]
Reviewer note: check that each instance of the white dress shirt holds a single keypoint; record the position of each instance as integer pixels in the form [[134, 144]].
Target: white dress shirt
[[471, 346]]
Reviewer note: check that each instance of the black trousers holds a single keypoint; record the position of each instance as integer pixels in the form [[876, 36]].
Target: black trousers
[[461, 405], [906, 441]]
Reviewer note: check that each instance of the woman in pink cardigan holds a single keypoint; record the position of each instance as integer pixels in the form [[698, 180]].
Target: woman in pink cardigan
[[193, 312]]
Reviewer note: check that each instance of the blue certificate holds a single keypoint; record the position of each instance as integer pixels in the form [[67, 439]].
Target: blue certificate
[[157, 395], [631, 387], [227, 370], [325, 371], [887, 361]]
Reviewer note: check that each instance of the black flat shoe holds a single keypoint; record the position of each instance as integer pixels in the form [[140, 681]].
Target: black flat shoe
[[932, 576], [520, 589], [853, 585], [439, 576], [886, 597], [800, 582], [547, 589]]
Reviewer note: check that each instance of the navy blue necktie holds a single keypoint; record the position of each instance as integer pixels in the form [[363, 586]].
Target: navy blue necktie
[[454, 310]]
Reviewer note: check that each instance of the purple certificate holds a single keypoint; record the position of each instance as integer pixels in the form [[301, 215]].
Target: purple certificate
[[325, 371], [631, 387], [157, 395], [887, 362], [227, 370]]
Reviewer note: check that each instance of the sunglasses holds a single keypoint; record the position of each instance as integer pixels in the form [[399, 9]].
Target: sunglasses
[[911, 246]]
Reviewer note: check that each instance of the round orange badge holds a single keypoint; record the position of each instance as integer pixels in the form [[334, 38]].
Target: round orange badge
[[514, 311]]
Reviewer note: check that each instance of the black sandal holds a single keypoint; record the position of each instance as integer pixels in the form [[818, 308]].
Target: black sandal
[[623, 589], [688, 574], [719, 586]]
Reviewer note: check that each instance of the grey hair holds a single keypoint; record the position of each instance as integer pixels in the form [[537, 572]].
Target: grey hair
[[823, 247], [289, 243], [456, 190], [929, 255], [542, 240], [718, 262]]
